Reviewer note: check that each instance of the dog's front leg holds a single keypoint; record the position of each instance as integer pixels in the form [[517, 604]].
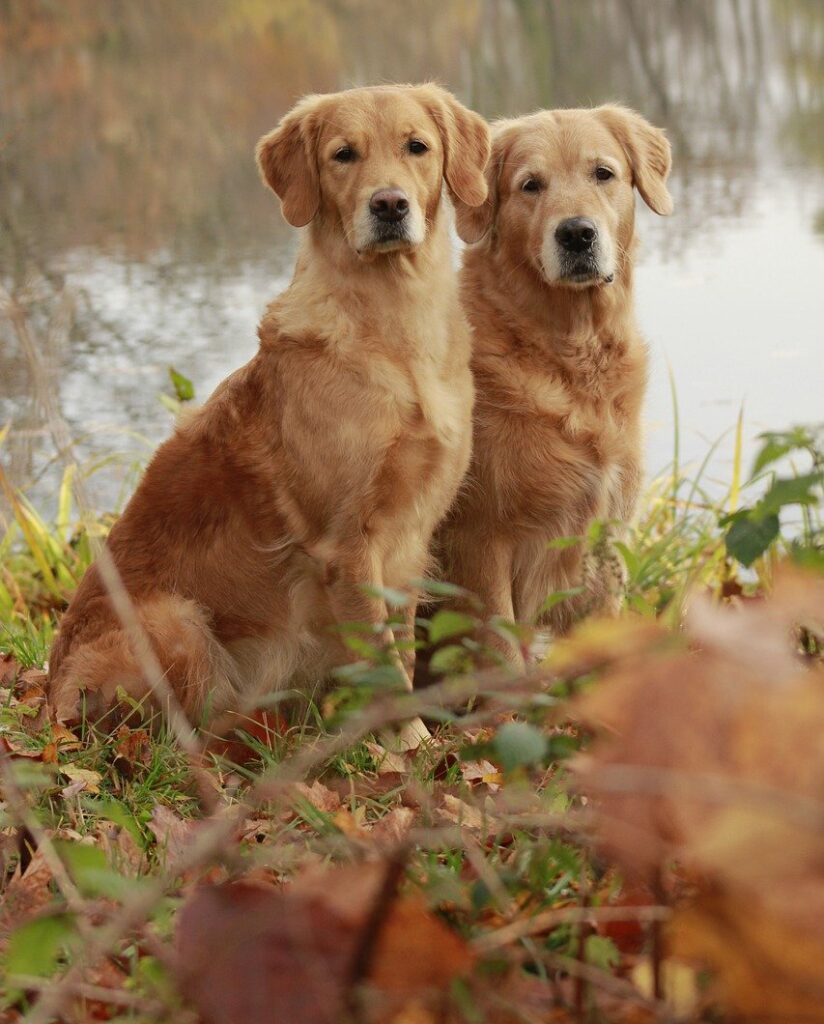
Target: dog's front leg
[[483, 565], [406, 634], [352, 587]]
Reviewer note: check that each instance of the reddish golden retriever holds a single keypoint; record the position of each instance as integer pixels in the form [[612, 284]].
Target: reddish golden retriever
[[559, 366], [321, 468]]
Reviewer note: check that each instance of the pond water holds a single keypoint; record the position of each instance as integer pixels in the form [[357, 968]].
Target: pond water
[[135, 234]]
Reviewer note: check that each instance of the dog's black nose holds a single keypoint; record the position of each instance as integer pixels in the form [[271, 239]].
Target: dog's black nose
[[389, 204], [577, 234]]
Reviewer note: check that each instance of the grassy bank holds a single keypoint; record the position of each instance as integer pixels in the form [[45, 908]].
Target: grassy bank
[[492, 873]]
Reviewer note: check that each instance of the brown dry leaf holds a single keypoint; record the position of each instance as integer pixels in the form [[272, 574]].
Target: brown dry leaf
[[8, 746], [765, 965], [32, 696], [10, 668], [240, 735], [759, 634], [417, 951], [83, 779], [172, 833], [319, 796], [26, 894], [602, 642], [389, 762], [64, 738], [105, 975], [247, 954], [394, 826], [717, 757], [351, 823], [517, 998], [122, 850], [250, 953], [133, 747], [483, 772], [458, 812], [32, 677]]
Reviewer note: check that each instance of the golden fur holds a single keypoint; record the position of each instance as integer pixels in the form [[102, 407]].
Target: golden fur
[[323, 465], [559, 366]]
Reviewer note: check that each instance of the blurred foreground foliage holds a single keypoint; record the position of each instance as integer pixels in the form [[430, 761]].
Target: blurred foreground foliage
[[632, 832]]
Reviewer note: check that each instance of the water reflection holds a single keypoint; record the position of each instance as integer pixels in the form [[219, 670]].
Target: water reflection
[[126, 134]]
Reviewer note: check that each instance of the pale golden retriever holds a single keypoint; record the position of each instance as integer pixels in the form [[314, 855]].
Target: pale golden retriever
[[320, 469], [559, 366]]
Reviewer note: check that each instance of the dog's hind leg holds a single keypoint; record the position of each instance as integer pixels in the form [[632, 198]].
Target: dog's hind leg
[[195, 666]]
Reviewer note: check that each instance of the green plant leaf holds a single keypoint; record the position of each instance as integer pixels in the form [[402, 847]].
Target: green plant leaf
[[601, 952], [777, 444], [452, 659], [34, 948], [394, 598], [749, 536], [557, 596], [91, 872], [561, 543], [631, 559], [447, 623], [517, 744], [184, 389], [795, 490]]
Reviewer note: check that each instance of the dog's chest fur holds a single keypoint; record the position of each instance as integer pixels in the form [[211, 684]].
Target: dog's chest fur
[[569, 414], [416, 403]]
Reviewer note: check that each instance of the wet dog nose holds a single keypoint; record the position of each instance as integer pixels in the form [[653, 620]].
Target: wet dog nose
[[389, 204], [577, 234]]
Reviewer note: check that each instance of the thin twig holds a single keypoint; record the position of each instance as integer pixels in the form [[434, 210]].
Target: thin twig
[[94, 993], [550, 919]]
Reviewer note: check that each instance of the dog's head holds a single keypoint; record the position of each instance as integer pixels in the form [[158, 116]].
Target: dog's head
[[371, 162], [561, 191]]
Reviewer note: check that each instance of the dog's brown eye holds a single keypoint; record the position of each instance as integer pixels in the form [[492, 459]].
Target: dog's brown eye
[[603, 173], [416, 146], [344, 155], [531, 185]]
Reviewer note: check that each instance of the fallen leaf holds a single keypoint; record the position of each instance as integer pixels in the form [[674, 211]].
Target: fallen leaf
[[715, 757], [27, 894], [10, 668], [417, 951], [389, 763], [89, 778], [172, 833], [247, 730], [65, 739], [33, 677], [483, 772], [121, 848], [394, 826], [252, 953], [461, 813], [133, 747], [8, 746], [319, 796]]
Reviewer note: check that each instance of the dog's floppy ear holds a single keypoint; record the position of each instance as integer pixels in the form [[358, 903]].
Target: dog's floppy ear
[[465, 139], [288, 162], [648, 152], [473, 222]]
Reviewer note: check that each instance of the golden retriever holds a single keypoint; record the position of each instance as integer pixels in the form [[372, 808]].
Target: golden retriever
[[559, 366], [315, 475]]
